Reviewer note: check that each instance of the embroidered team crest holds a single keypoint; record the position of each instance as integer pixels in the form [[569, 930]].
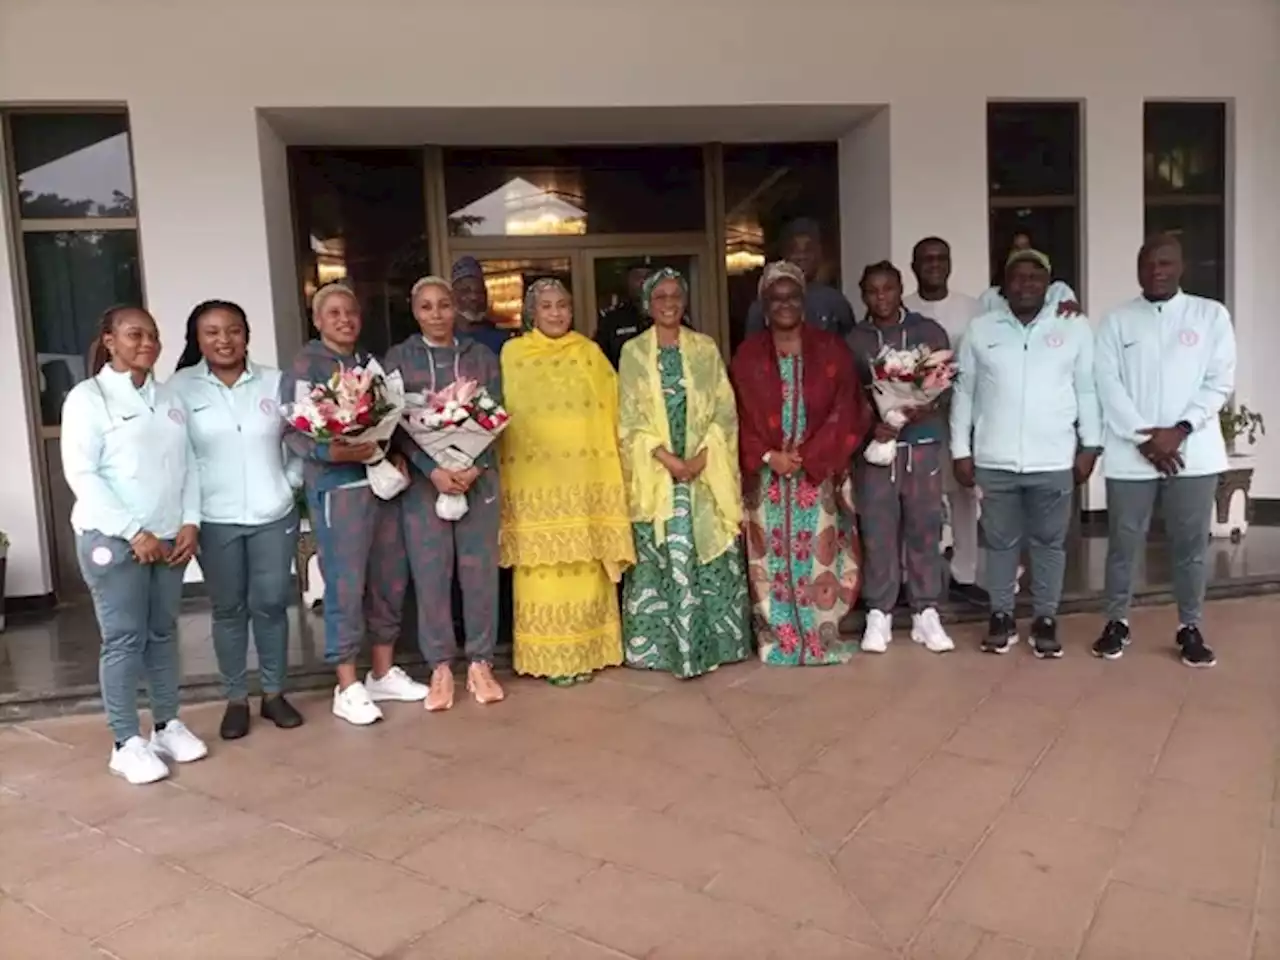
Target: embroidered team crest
[[268, 407], [1188, 338], [177, 416], [1054, 340]]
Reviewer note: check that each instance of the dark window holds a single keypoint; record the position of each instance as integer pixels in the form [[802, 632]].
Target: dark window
[[1033, 168], [1185, 181], [766, 186], [361, 218], [570, 191], [72, 165], [1033, 149], [72, 171], [72, 278]]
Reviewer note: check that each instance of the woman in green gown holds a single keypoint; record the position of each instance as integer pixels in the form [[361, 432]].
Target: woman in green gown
[[684, 604]]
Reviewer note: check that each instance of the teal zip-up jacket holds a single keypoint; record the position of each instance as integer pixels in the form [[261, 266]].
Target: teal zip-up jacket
[[1025, 400]]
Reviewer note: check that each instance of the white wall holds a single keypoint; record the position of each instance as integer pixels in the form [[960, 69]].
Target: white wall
[[211, 186]]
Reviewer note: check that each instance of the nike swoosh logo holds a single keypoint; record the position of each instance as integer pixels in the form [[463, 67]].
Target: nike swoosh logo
[[290, 530], [490, 499], [130, 416]]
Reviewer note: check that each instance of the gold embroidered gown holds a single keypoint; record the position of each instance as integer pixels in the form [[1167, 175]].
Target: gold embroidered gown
[[565, 527]]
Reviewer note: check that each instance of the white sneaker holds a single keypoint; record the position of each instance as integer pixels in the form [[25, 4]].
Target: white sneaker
[[878, 633], [395, 684], [354, 705], [137, 762], [927, 629], [178, 743]]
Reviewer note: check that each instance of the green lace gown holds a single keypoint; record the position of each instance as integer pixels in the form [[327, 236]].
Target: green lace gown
[[678, 615]]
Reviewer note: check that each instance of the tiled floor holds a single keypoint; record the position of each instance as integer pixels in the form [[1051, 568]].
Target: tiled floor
[[50, 663], [912, 806]]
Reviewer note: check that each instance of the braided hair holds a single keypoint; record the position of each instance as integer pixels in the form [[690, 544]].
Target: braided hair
[[191, 352]]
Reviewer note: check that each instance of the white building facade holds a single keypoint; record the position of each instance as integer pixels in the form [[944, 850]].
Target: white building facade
[[216, 94]]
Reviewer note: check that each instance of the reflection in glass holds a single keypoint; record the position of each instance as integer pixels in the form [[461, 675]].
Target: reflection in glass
[[73, 165], [1054, 231], [507, 279], [766, 186], [570, 191], [72, 278], [614, 280], [1201, 228], [1033, 149], [1185, 146], [361, 218]]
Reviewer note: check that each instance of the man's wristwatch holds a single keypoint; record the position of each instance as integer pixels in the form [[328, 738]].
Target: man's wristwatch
[[1184, 426]]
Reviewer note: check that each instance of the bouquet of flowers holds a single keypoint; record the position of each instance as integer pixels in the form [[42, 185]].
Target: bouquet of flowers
[[356, 405], [903, 380], [454, 426]]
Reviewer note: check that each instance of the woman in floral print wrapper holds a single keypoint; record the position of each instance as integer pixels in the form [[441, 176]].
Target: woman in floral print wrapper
[[801, 414]]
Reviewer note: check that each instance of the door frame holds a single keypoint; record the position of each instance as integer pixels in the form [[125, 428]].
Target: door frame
[[583, 252]]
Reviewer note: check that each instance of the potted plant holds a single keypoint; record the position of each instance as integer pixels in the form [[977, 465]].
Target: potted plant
[[1241, 428], [4, 556]]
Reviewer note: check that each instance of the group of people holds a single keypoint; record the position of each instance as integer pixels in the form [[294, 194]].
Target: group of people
[[671, 514]]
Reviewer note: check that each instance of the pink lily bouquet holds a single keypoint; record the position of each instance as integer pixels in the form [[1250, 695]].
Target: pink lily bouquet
[[454, 426], [903, 380], [355, 405]]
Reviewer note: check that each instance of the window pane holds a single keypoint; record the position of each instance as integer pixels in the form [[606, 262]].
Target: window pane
[[1053, 230], [362, 218], [1201, 230], [573, 191], [73, 165], [766, 186], [1185, 148], [72, 279], [1033, 149]]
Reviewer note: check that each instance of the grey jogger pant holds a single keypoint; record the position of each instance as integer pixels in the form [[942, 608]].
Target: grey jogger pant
[[1035, 507], [1186, 505]]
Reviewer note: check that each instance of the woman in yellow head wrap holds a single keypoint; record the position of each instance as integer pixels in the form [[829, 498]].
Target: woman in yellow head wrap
[[684, 605], [565, 528]]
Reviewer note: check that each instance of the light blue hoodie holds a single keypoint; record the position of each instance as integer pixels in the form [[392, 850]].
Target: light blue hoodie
[[1024, 400], [1157, 365]]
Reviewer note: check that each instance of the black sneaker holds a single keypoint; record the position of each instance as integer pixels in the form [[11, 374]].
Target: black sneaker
[[1115, 637], [1194, 651], [235, 721], [1044, 638], [969, 593], [280, 712], [1002, 633]]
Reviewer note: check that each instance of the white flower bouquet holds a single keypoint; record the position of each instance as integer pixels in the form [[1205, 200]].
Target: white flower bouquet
[[454, 426], [356, 405], [904, 380]]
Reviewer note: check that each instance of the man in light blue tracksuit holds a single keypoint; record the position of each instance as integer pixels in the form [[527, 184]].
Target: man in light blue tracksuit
[[1165, 366], [1026, 430]]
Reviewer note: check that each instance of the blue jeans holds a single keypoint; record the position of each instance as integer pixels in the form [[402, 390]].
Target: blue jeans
[[247, 570], [137, 609]]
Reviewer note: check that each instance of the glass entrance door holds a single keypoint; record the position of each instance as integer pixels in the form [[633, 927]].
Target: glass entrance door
[[508, 276], [598, 277]]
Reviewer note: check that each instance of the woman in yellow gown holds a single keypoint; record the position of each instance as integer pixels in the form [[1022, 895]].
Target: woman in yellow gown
[[565, 527]]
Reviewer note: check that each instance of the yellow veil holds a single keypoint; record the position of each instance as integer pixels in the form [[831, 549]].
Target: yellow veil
[[712, 426]]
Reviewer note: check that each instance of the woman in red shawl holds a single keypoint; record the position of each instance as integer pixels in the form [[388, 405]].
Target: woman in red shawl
[[801, 415]]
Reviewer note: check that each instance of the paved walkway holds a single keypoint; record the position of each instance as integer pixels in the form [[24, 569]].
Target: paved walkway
[[912, 806]]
